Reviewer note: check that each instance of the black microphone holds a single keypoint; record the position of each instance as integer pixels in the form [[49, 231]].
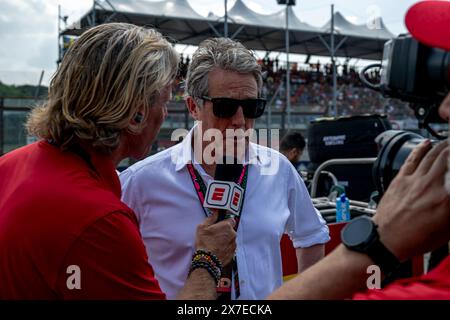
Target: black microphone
[[230, 171]]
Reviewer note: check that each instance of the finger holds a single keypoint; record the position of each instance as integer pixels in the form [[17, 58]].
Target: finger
[[210, 220], [428, 160], [439, 166], [230, 221], [415, 157]]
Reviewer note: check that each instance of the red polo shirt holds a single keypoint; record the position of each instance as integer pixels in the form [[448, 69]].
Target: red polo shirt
[[435, 285], [64, 233]]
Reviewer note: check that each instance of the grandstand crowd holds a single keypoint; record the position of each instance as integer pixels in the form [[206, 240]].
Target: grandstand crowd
[[311, 87]]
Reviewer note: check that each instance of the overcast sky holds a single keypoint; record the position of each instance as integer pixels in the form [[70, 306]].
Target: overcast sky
[[28, 28]]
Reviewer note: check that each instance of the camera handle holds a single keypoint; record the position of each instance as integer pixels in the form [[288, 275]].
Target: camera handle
[[365, 81], [424, 114]]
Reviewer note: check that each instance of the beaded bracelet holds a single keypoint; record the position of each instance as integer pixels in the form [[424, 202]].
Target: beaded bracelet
[[207, 260], [209, 254], [213, 271]]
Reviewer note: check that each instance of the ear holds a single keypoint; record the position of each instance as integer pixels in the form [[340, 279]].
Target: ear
[[193, 107], [292, 154], [137, 119]]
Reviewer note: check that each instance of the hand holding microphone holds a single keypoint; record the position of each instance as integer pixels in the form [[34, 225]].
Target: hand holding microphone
[[217, 237], [226, 195]]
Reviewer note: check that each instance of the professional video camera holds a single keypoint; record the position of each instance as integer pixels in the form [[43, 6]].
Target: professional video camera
[[415, 73], [420, 75]]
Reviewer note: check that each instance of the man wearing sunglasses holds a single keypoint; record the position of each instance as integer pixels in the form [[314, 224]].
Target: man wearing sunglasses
[[223, 89]]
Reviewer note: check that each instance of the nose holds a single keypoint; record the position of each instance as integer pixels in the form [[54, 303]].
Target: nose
[[444, 109], [238, 120]]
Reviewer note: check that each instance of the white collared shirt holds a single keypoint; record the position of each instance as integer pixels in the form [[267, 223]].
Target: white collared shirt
[[160, 191]]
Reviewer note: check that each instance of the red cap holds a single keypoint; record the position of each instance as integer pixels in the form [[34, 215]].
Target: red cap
[[429, 22]]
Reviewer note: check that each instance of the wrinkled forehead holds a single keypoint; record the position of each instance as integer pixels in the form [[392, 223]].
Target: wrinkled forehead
[[226, 83]]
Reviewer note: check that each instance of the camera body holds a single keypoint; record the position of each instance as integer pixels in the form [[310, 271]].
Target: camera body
[[416, 73], [420, 75]]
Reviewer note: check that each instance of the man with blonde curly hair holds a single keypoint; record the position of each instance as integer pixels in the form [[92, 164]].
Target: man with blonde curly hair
[[64, 233]]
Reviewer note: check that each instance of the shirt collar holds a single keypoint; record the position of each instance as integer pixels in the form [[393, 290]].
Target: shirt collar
[[106, 170], [184, 154], [102, 165], [99, 164]]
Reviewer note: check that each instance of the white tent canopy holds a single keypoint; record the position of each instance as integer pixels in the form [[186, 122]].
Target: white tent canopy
[[342, 26], [170, 8], [278, 19], [177, 20]]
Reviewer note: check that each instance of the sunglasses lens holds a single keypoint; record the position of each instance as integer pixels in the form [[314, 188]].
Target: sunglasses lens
[[227, 107], [255, 108], [224, 108]]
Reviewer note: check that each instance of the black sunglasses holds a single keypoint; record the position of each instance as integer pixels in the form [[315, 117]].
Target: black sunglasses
[[227, 107]]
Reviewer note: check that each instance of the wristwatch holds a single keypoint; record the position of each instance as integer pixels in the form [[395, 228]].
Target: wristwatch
[[361, 235]]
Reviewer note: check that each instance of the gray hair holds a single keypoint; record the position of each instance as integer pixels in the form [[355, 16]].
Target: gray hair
[[222, 53]]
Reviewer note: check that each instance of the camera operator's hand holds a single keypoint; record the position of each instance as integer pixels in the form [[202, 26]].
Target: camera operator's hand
[[414, 214], [218, 238], [413, 217]]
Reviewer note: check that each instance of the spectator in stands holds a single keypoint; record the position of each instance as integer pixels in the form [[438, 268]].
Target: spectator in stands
[[412, 218], [292, 146], [311, 86], [64, 233]]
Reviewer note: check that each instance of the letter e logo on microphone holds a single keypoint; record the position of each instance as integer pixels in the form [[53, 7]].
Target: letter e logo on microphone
[[218, 194], [224, 195], [236, 199]]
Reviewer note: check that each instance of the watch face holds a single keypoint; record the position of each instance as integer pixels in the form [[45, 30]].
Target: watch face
[[357, 231]]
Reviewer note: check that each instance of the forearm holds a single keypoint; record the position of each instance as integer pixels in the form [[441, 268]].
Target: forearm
[[337, 276], [306, 257], [200, 285]]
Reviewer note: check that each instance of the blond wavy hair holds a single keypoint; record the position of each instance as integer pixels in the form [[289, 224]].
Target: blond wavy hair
[[106, 76]]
